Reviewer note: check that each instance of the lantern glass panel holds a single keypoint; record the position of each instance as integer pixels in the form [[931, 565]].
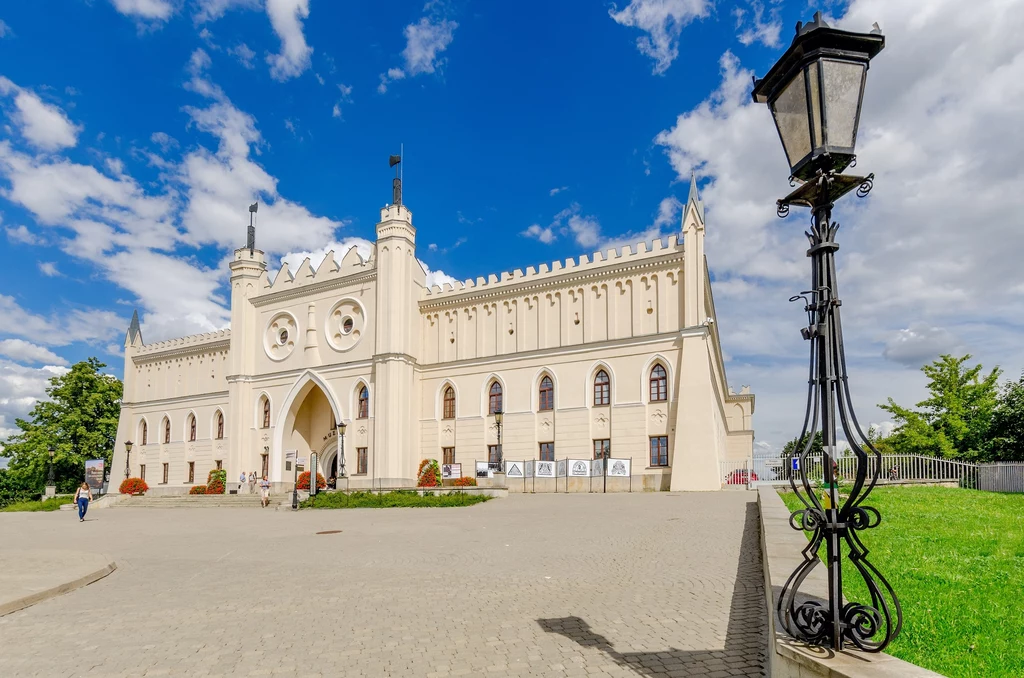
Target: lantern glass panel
[[790, 111], [814, 83], [843, 81]]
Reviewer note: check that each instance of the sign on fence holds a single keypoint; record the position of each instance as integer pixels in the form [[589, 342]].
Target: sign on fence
[[546, 469], [449, 471], [597, 467], [579, 468], [483, 470], [619, 468], [94, 474], [514, 469], [561, 468]]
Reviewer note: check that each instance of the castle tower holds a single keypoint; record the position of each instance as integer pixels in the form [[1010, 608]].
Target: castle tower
[[247, 269], [395, 434]]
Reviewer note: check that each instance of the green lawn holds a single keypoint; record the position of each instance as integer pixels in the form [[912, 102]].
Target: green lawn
[[336, 500], [956, 560], [51, 504]]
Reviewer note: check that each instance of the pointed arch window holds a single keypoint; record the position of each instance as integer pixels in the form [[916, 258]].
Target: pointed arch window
[[220, 425], [145, 433], [167, 430], [449, 403], [547, 394], [602, 389], [659, 384], [266, 412], [192, 428], [364, 403], [494, 403]]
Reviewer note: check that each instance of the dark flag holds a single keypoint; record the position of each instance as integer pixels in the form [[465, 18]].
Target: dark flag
[[394, 160]]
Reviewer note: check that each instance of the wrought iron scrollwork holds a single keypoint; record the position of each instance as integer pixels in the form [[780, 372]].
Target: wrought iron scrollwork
[[782, 209], [834, 521], [866, 185]]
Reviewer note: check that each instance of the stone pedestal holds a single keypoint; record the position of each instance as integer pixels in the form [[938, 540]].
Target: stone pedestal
[[50, 491], [499, 480]]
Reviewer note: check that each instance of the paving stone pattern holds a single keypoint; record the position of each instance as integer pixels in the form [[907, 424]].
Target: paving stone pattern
[[546, 585]]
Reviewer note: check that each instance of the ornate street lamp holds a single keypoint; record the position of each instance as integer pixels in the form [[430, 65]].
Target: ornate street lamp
[[127, 458], [815, 92], [499, 417], [49, 475], [341, 451]]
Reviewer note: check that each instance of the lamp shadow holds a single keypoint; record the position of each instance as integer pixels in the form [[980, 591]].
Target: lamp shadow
[[746, 633]]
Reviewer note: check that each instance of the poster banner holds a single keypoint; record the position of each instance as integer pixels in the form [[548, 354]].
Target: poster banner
[[530, 468], [483, 470], [619, 468], [579, 468], [597, 467], [546, 469], [514, 469], [94, 474], [561, 468], [450, 471]]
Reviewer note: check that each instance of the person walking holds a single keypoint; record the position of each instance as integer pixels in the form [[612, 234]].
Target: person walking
[[241, 481], [252, 483], [265, 492], [82, 497]]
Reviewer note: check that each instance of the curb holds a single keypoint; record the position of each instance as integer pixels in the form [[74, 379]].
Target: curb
[[53, 592]]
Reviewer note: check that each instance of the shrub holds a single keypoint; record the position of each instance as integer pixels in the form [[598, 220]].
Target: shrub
[[198, 489], [134, 486], [429, 474], [303, 483], [465, 481], [215, 481]]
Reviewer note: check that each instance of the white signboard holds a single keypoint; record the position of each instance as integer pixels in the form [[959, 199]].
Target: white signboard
[[579, 468], [449, 471], [597, 467], [619, 468], [530, 464], [545, 469], [483, 470], [514, 469], [561, 468]]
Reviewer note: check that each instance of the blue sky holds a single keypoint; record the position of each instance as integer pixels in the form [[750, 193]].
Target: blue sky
[[134, 133]]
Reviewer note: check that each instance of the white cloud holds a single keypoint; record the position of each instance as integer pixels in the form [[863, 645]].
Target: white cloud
[[663, 21], [556, 191], [432, 247], [22, 235], [152, 10], [245, 56], [286, 18], [211, 10], [336, 111], [49, 269], [68, 326], [364, 248], [425, 40], [27, 352], [916, 256], [346, 91], [44, 126], [544, 234], [5, 30], [438, 278], [584, 229], [20, 388], [165, 141], [320, 79], [766, 32]]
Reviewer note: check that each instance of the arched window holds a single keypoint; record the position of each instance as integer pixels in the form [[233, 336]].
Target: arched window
[[547, 394], [364, 403], [449, 403], [220, 425], [167, 430], [494, 399], [602, 392], [659, 384], [192, 428], [266, 412], [145, 433]]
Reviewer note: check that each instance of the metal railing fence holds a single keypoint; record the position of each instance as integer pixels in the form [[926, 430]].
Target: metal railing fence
[[891, 469], [1001, 476]]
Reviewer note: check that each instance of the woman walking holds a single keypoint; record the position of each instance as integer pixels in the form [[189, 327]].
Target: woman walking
[[265, 492], [82, 497]]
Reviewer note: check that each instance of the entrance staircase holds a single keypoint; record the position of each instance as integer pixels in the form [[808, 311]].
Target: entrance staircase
[[194, 501]]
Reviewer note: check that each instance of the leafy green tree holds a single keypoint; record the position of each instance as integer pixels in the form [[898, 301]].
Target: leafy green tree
[[954, 421], [1007, 432], [796, 445], [79, 421]]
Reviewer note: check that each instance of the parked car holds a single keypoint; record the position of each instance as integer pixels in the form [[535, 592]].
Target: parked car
[[740, 477]]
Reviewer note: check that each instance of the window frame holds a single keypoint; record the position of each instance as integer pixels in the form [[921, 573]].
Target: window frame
[[220, 425], [662, 460], [492, 454], [191, 472], [363, 403], [546, 393], [145, 432], [658, 385], [448, 455], [602, 389], [167, 472], [167, 430], [495, 398], [191, 428], [446, 411], [607, 444], [546, 447], [266, 412], [142, 471], [361, 461]]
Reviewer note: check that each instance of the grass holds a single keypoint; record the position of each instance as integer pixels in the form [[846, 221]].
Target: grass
[[52, 504], [340, 500], [956, 560]]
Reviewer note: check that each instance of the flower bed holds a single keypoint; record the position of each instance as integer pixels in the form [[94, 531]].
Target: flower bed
[[133, 486], [429, 474], [465, 481], [198, 489], [303, 482], [216, 481]]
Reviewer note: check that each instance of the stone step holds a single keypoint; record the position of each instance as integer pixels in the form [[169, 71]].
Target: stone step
[[191, 501]]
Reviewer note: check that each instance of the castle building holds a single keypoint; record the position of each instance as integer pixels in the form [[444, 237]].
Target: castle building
[[616, 351]]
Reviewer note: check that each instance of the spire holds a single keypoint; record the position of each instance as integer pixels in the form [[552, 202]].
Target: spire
[[134, 331], [694, 197]]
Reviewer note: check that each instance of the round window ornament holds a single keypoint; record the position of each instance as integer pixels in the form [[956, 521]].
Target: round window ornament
[[346, 325], [282, 337], [279, 337]]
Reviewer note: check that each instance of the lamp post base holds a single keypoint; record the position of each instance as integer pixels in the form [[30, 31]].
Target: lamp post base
[[50, 491]]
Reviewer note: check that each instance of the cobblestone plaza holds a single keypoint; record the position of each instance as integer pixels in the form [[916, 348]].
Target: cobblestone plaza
[[546, 585]]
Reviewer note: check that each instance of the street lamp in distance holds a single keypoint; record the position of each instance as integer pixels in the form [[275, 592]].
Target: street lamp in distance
[[127, 458], [50, 483], [499, 418], [342, 426]]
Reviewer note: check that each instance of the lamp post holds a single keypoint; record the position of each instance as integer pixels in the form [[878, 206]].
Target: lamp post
[[499, 417], [127, 458], [49, 474], [815, 93], [341, 452]]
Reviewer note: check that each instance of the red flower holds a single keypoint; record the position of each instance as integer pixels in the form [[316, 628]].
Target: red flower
[[303, 482], [134, 486]]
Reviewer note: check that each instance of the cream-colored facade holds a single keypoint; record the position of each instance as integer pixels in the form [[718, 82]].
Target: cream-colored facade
[[303, 345]]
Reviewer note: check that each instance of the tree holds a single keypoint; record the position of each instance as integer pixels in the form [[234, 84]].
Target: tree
[[1007, 431], [79, 421], [796, 445], [954, 421]]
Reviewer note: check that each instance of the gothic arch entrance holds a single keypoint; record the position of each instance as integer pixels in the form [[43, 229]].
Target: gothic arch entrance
[[305, 423]]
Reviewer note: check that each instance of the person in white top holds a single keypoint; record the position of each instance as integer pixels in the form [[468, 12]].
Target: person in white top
[[241, 481], [265, 492], [82, 497]]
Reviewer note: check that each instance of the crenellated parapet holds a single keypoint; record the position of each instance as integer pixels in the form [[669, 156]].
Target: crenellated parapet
[[192, 342], [623, 258], [329, 270]]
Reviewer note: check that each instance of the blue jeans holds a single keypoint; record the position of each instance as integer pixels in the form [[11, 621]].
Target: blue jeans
[[83, 506]]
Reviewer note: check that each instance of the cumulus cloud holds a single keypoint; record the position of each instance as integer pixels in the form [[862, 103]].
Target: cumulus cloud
[[49, 269], [663, 22], [26, 352], [555, 191], [584, 229], [211, 10], [44, 126], [543, 233], [244, 55], [22, 235], [5, 30], [150, 10], [919, 344], [286, 17], [21, 387], [425, 40], [754, 27]]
